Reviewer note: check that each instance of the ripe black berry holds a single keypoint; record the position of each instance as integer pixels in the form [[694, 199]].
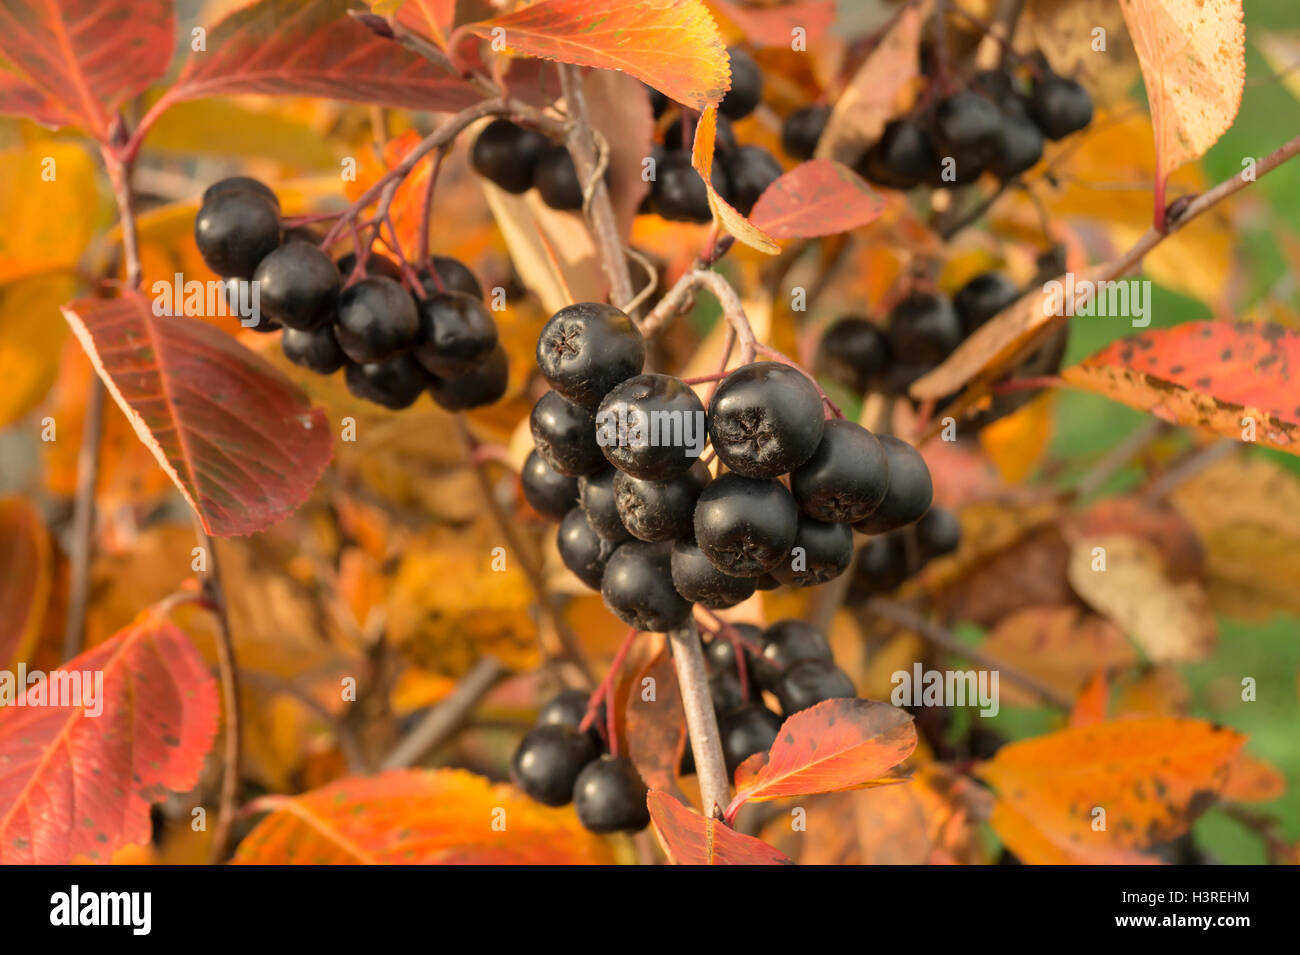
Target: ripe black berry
[[847, 476], [721, 652], [745, 527], [547, 491], [581, 548], [923, 328], [750, 170], [809, 683], [596, 495], [584, 350], [238, 294], [938, 532], [317, 350], [240, 184], [549, 760], [820, 552], [394, 382], [299, 286], [696, 579], [853, 352], [506, 154], [456, 333], [747, 730], [610, 796], [724, 689], [483, 384], [910, 490], [679, 192], [786, 643], [1059, 106], [565, 435], [235, 230], [746, 86], [377, 319], [765, 419], [983, 297], [1021, 141], [903, 157], [967, 127], [881, 566], [638, 587], [802, 129], [651, 427], [454, 274], [556, 179], [566, 708], [376, 264], [660, 510]]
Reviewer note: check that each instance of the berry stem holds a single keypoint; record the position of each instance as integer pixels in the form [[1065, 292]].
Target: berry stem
[[701, 720], [426, 213], [605, 692]]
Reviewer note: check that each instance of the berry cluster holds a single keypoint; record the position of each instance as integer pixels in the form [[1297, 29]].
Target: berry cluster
[[560, 761], [884, 562], [921, 331], [393, 345], [517, 159]]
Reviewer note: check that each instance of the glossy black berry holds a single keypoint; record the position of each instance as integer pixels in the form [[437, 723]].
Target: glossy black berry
[[745, 527], [724, 690], [484, 384], [394, 382], [453, 274], [1059, 106], [882, 565], [317, 350], [923, 328], [679, 192], [1021, 142], [638, 587], [547, 491], [377, 319], [938, 532], [238, 294], [299, 286], [651, 427], [821, 552], [582, 550], [847, 476], [721, 652], [750, 170], [802, 129], [376, 264], [853, 352], [457, 333], [809, 683], [240, 184], [747, 730], [660, 510], [746, 86], [556, 179], [983, 297], [786, 643], [584, 350], [610, 796], [549, 760], [566, 708], [235, 230], [765, 419], [596, 497], [565, 435], [902, 158], [696, 579], [967, 128], [910, 490], [507, 154]]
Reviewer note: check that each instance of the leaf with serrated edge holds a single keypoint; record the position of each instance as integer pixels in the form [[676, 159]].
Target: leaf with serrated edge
[[731, 219], [691, 839]]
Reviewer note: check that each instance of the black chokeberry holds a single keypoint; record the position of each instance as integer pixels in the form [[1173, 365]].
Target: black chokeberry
[[241, 184], [238, 294], [556, 179], [747, 730], [724, 689], [549, 760], [811, 682], [299, 286], [802, 129], [696, 579], [882, 565], [1059, 106], [765, 419], [967, 128], [660, 510], [746, 86], [395, 382], [596, 496], [454, 275], [638, 587], [506, 154], [584, 350], [547, 491], [457, 333], [821, 552], [317, 350], [983, 297], [679, 192], [484, 384], [377, 319], [1020, 142], [566, 708], [923, 328], [376, 264], [744, 526], [582, 550], [910, 489], [786, 643], [235, 230], [721, 652], [565, 435], [853, 352], [750, 170], [651, 427], [938, 532], [902, 158], [846, 478], [610, 796]]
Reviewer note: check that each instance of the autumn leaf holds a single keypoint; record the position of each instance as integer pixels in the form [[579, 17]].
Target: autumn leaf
[[73, 62], [1033, 845], [1232, 378], [79, 777], [731, 219], [429, 18], [689, 838], [656, 729], [816, 198], [51, 210], [1067, 33], [1016, 443], [26, 571], [1193, 57], [775, 26], [238, 439], [417, 817], [1093, 700]]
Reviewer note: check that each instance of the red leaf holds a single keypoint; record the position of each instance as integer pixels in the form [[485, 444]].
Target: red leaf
[[816, 198], [656, 730], [837, 744], [77, 782], [75, 61], [673, 45], [432, 19], [690, 839], [238, 437], [315, 48], [774, 26], [1211, 375]]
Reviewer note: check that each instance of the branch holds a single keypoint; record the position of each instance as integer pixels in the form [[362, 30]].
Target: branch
[[443, 720], [701, 720]]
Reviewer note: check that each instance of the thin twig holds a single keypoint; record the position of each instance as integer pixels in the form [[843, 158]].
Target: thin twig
[[1186, 469], [442, 721], [83, 521], [701, 720]]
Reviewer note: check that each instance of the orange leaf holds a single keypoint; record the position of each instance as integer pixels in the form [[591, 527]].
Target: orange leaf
[[430, 18], [25, 577], [1092, 703], [702, 159], [1034, 846], [691, 839], [775, 26], [656, 729], [814, 199], [1253, 780], [672, 45]]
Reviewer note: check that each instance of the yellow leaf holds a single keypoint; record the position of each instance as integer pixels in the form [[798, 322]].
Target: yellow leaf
[[1065, 32], [1017, 442], [50, 205], [31, 340], [189, 128]]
